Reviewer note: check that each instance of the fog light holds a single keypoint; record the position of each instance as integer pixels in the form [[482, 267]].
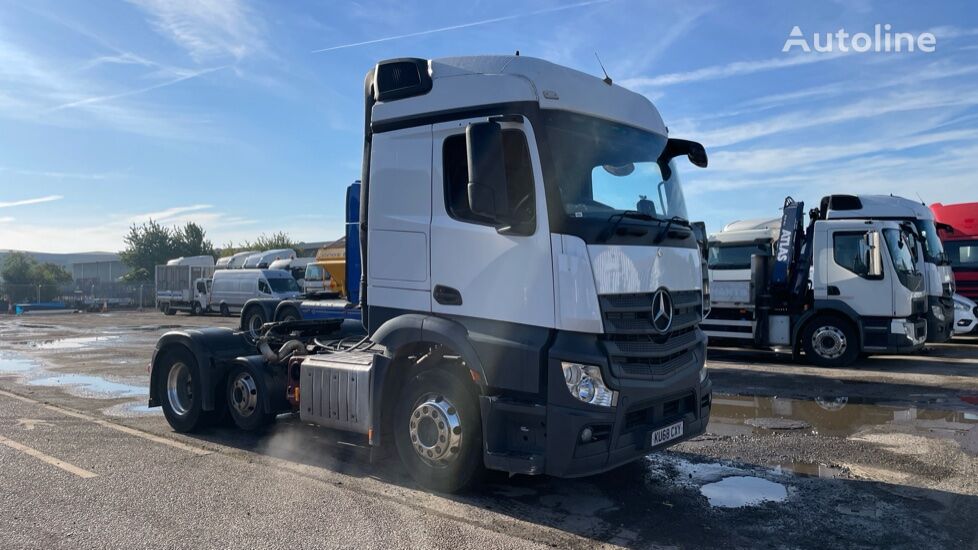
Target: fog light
[[585, 383], [586, 434]]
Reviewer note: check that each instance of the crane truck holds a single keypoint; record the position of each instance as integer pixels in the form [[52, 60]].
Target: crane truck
[[833, 289], [530, 291]]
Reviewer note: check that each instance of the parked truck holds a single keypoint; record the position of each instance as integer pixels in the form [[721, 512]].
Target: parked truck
[[834, 289], [184, 284], [959, 230], [938, 277], [531, 289]]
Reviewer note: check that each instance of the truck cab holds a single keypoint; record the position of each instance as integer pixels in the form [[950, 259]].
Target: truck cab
[[958, 224], [531, 288], [930, 256]]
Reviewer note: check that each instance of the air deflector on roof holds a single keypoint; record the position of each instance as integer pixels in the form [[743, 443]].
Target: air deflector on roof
[[843, 202], [400, 78]]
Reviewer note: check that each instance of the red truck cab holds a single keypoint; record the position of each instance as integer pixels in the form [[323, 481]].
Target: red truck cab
[[959, 231]]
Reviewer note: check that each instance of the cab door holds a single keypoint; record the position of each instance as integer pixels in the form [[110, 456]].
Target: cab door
[[477, 271], [855, 267]]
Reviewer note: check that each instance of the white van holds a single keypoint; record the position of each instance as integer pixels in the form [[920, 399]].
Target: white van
[[233, 287]]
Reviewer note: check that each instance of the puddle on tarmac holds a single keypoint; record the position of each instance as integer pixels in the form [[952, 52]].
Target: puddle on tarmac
[[738, 491], [15, 365], [734, 415], [132, 409], [72, 343], [84, 385]]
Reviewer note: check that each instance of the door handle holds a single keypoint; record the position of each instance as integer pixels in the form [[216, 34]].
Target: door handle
[[447, 296], [834, 290]]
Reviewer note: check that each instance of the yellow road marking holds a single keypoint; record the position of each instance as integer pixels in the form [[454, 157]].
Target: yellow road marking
[[199, 451], [80, 472]]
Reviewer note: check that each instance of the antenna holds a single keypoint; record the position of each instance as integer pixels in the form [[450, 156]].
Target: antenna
[[607, 79], [921, 199]]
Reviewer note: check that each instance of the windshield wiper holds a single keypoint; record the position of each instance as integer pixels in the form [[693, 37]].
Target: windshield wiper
[[618, 217], [662, 234]]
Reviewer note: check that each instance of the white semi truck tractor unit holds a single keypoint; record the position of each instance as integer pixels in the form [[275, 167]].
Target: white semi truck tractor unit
[[930, 256], [531, 289], [833, 289]]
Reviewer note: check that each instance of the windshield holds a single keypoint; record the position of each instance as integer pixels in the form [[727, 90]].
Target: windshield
[[734, 256], [603, 168], [930, 242], [898, 244], [963, 253], [283, 284]]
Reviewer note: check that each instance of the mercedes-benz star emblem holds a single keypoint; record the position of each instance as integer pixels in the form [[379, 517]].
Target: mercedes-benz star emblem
[[662, 311]]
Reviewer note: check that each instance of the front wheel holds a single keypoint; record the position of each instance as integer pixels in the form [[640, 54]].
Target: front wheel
[[195, 309], [438, 431], [830, 342], [225, 310]]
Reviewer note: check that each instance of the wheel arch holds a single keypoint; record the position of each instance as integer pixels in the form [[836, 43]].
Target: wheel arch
[[406, 337]]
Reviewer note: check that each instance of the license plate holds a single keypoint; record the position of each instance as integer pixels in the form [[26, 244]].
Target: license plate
[[668, 433]]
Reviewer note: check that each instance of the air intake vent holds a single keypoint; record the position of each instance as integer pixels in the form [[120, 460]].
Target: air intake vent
[[844, 202], [400, 78]]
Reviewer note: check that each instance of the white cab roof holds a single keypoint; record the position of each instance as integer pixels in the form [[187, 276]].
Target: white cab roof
[[748, 231], [460, 82], [884, 206]]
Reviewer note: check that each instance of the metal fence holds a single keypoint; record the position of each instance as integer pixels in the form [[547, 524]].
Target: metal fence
[[87, 296]]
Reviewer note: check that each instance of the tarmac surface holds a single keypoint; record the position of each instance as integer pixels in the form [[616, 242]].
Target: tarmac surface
[[884, 454]]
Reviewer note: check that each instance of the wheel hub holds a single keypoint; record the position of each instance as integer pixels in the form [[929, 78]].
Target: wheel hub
[[179, 389], [436, 430], [244, 394], [829, 342]]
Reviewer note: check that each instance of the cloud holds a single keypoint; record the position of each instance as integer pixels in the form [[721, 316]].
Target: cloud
[[737, 68], [24, 202], [96, 176], [463, 25], [166, 216], [108, 97], [6, 219], [206, 29]]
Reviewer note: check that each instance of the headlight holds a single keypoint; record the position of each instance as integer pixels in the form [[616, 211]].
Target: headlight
[[958, 306], [938, 312], [703, 374], [585, 383]]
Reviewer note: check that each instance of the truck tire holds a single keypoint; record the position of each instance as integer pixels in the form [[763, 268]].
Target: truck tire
[[289, 313], [180, 388], [167, 310], [438, 431], [225, 310], [252, 319], [244, 399], [195, 309], [830, 341]]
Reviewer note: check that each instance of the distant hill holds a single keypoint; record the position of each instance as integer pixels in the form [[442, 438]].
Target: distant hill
[[66, 259]]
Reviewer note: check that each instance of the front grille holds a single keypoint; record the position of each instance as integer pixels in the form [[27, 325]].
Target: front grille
[[635, 349]]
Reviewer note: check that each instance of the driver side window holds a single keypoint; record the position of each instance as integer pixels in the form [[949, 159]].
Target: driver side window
[[263, 287], [851, 252], [519, 179]]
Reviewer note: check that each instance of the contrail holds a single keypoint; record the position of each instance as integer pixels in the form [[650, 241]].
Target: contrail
[[25, 202], [464, 25], [99, 99]]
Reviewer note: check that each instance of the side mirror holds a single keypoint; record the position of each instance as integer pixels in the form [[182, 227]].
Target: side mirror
[[694, 151], [487, 172], [875, 254]]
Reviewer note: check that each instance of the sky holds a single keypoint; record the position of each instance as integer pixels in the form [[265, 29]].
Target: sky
[[246, 115]]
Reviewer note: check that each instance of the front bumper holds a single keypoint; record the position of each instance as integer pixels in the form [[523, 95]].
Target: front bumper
[[537, 438], [907, 335], [940, 318]]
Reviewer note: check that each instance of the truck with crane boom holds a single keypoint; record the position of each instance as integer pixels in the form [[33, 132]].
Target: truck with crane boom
[[531, 288], [834, 289]]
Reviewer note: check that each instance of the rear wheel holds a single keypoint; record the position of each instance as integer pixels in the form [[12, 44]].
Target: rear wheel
[[438, 431], [181, 391], [252, 321], [167, 310], [830, 341], [245, 398], [225, 310]]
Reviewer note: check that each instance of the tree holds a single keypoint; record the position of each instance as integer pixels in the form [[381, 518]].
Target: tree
[[17, 268], [151, 244], [191, 240], [274, 241]]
